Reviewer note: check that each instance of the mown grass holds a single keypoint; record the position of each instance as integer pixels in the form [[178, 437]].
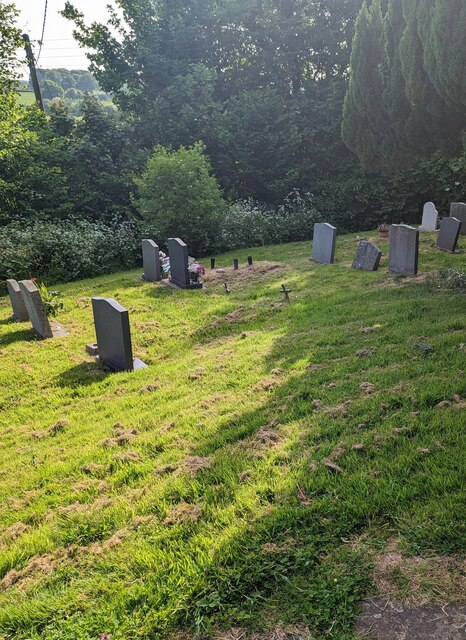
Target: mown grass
[[220, 510]]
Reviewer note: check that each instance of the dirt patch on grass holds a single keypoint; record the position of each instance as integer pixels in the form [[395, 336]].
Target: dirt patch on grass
[[14, 531], [183, 513], [244, 274], [279, 632], [193, 464], [39, 565]]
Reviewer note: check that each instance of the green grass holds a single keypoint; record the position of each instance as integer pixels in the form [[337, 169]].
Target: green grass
[[257, 393], [26, 98]]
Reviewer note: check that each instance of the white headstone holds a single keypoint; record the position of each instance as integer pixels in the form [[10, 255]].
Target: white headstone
[[429, 217]]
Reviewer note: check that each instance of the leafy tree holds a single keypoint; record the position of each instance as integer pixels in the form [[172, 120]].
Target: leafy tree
[[179, 197], [10, 40], [52, 89]]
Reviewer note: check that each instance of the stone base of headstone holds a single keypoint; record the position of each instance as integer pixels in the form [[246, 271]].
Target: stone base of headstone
[[173, 285], [137, 364], [92, 349], [58, 330]]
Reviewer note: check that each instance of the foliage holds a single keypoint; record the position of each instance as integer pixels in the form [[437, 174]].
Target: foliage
[[10, 40], [404, 101], [178, 197], [66, 250], [451, 278], [52, 300]]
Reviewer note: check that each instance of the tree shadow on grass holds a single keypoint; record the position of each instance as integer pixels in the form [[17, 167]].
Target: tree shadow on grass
[[82, 375]]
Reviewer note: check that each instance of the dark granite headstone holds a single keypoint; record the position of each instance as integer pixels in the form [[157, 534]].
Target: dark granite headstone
[[367, 256], [179, 274], [458, 211], [448, 235], [35, 309], [250, 261], [429, 217], [235, 264], [403, 249], [19, 308], [113, 335], [323, 243], [212, 263], [151, 261]]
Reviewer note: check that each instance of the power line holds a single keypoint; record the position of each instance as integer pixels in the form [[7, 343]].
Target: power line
[[43, 31]]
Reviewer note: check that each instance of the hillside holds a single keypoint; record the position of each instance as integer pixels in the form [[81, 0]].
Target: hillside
[[255, 474]]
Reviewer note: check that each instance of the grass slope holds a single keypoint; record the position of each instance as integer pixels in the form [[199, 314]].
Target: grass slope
[[248, 475]]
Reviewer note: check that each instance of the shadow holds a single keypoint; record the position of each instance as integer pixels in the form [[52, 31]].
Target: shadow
[[22, 335], [10, 320], [82, 375]]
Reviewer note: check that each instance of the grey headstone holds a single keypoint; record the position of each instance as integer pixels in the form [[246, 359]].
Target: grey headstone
[[429, 217], [151, 261], [449, 233], [458, 211], [323, 242], [113, 335], [19, 308], [179, 275], [367, 256], [35, 309], [403, 249]]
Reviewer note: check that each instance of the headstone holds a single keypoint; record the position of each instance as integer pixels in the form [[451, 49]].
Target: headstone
[[449, 233], [250, 261], [151, 261], [35, 309], [429, 217], [212, 263], [19, 308], [235, 264], [323, 243], [179, 274], [113, 335], [458, 211], [403, 249], [367, 256]]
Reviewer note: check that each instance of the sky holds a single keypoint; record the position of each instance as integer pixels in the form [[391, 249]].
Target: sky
[[59, 48]]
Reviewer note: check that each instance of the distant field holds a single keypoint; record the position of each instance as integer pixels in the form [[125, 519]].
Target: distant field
[[275, 463], [26, 97]]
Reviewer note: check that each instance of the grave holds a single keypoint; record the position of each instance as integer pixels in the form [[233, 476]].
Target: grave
[[323, 243], [403, 249], [35, 308], [367, 256], [448, 235], [458, 211], [429, 217], [113, 335], [179, 274], [19, 308], [151, 261]]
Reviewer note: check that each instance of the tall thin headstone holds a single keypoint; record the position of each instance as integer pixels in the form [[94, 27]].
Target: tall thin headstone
[[448, 235], [179, 274], [35, 309], [403, 249], [367, 256], [151, 261], [323, 243], [113, 335], [458, 211], [19, 308], [429, 217]]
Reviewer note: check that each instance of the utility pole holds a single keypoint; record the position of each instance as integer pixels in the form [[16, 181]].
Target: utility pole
[[32, 69]]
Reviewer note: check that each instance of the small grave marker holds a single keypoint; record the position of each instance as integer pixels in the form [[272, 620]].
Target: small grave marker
[[458, 211], [19, 308], [367, 256], [235, 264], [151, 261], [35, 308], [250, 261], [111, 322], [286, 292], [323, 243], [448, 235], [403, 249], [429, 217], [227, 290], [212, 263], [179, 274]]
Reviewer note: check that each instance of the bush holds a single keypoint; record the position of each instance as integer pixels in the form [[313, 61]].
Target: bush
[[248, 223], [65, 251], [180, 198]]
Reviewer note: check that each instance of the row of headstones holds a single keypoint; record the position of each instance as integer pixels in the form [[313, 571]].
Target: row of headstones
[[403, 246], [430, 216], [178, 254], [27, 305]]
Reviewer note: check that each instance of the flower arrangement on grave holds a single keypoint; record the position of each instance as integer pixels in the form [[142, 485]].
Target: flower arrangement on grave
[[52, 300], [164, 263], [196, 271], [383, 230]]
